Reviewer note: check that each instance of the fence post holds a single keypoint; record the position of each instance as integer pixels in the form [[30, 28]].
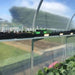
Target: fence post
[[66, 47], [62, 43], [32, 57]]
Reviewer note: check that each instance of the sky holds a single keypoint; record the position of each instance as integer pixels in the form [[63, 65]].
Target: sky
[[59, 7]]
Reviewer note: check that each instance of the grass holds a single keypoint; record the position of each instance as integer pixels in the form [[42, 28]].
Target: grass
[[10, 55], [61, 40], [71, 39], [55, 39], [9, 51]]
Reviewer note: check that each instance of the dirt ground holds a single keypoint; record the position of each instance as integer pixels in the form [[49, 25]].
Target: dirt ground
[[38, 45]]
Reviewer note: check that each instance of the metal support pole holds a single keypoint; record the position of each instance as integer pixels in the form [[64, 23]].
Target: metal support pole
[[62, 42], [32, 58], [69, 23], [35, 15], [66, 47]]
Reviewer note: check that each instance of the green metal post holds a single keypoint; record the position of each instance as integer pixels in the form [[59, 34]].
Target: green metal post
[[62, 42], [66, 47], [32, 58]]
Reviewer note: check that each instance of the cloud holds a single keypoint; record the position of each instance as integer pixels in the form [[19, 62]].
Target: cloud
[[51, 7], [6, 17], [27, 3], [55, 7]]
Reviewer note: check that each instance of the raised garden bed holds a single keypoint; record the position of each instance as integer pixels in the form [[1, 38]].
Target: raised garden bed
[[37, 33]]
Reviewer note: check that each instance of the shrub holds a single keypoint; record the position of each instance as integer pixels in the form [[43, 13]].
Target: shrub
[[66, 68]]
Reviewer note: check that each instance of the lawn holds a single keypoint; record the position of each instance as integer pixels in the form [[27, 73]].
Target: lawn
[[10, 55], [61, 40], [56, 39]]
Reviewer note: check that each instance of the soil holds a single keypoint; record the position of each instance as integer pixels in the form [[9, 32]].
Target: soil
[[41, 44], [38, 45]]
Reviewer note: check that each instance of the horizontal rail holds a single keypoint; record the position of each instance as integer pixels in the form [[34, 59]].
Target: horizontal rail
[[35, 38]]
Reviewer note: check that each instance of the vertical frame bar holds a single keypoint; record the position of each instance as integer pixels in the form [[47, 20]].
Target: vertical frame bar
[[36, 14], [62, 43], [66, 48], [32, 57]]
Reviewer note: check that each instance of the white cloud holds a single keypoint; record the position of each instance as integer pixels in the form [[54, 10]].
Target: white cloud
[[27, 3], [51, 7], [55, 7], [6, 17]]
